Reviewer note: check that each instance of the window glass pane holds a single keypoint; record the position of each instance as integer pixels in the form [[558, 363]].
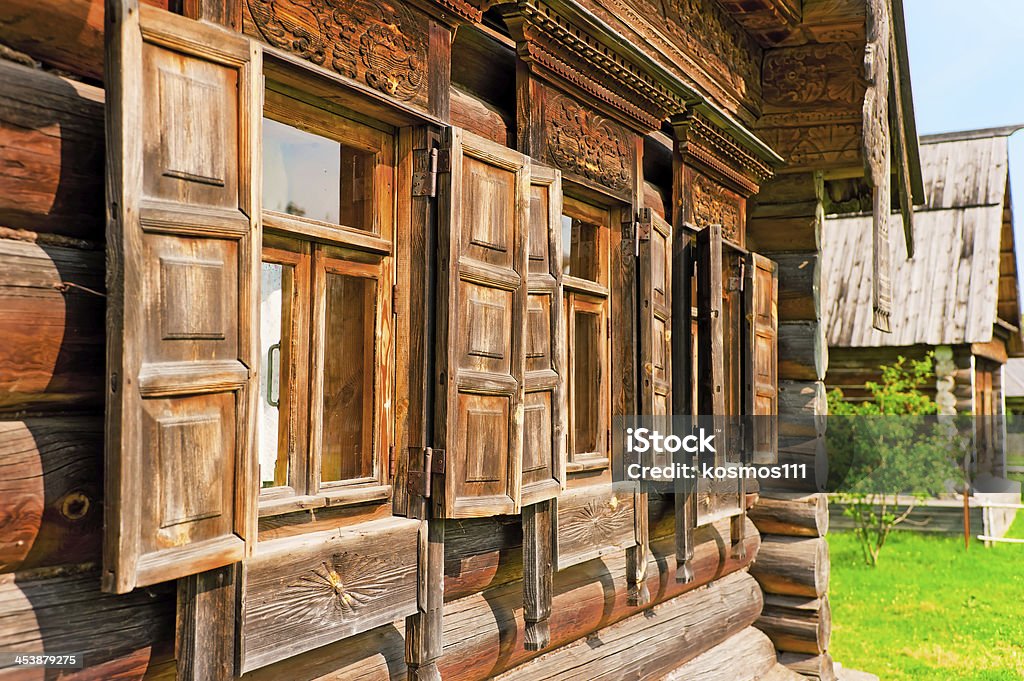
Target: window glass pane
[[587, 380], [307, 175], [276, 284], [347, 444], [580, 250]]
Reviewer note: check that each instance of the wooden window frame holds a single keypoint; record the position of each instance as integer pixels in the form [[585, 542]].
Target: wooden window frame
[[332, 248], [593, 297]]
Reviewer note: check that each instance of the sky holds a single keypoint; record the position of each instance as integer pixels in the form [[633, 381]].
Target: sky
[[967, 71]]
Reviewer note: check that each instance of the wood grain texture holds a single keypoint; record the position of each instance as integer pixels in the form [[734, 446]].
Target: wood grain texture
[[52, 328], [121, 637], [791, 515], [52, 490], [205, 635], [747, 655], [67, 34], [592, 521], [51, 135], [793, 566], [314, 589], [810, 666], [797, 624], [725, 607]]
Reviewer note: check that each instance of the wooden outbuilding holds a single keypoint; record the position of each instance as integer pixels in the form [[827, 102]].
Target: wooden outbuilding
[[957, 296], [316, 316]]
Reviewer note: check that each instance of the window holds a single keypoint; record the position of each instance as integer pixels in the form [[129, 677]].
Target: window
[[585, 271], [325, 298]]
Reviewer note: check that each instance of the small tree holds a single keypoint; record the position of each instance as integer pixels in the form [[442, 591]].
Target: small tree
[[890, 445]]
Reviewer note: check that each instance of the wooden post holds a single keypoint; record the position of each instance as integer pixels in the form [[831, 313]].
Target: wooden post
[[537, 573], [424, 641], [205, 624]]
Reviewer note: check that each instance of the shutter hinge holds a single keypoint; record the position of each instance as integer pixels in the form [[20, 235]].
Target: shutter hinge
[[424, 172], [645, 223], [431, 461]]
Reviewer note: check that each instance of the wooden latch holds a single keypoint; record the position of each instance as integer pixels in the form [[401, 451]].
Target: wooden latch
[[431, 461]]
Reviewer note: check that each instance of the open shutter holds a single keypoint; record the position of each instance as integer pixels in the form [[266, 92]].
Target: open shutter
[[761, 296], [183, 256], [484, 203], [545, 414], [655, 313]]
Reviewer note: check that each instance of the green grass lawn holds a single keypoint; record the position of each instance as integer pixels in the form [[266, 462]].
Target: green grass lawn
[[930, 611]]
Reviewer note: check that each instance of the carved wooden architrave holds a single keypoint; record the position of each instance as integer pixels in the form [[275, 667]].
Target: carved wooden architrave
[[877, 154], [382, 43], [584, 143], [565, 55], [707, 202], [696, 40]]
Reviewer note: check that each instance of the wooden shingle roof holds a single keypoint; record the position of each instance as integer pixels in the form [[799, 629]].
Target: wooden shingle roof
[[962, 280]]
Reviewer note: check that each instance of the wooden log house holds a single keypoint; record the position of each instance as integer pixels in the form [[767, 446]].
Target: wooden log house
[[960, 291], [376, 278]]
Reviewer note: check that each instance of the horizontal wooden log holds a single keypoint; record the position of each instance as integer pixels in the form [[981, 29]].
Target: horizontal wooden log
[[787, 189], [52, 328], [802, 406], [478, 116], [799, 283], [797, 624], [783, 234], [803, 353], [51, 484], [120, 637], [814, 666], [792, 566], [485, 633], [652, 643], [67, 34], [51, 141], [747, 655], [792, 515], [480, 553], [781, 673]]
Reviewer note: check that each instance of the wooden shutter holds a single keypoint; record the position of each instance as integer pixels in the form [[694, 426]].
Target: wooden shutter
[[761, 296], [483, 205], [545, 413], [183, 256], [655, 313]]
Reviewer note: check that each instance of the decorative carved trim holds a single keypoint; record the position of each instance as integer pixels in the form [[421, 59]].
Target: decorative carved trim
[[597, 522], [877, 154], [553, 47], [381, 42], [704, 145], [585, 143], [466, 11], [713, 204], [812, 75]]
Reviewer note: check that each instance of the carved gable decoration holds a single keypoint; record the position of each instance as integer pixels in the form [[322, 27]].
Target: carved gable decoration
[[381, 43], [584, 143], [812, 75], [712, 204]]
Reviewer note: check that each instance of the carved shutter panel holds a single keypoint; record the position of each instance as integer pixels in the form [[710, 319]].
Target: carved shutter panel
[[183, 252], [545, 414], [656, 314], [761, 296], [484, 206]]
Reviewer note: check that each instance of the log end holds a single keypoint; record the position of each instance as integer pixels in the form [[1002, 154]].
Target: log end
[[537, 635]]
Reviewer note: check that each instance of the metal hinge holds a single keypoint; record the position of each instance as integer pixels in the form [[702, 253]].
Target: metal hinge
[[645, 223], [431, 461], [424, 172]]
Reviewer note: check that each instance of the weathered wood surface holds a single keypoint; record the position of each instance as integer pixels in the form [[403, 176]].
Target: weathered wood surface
[[484, 632], [52, 490], [67, 34], [479, 116], [592, 521], [797, 624], [51, 141], [121, 637], [205, 634], [798, 286], [52, 328], [803, 354], [650, 644], [802, 404], [747, 655], [792, 566], [813, 666], [791, 515]]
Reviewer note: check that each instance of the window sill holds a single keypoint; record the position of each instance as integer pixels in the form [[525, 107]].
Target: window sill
[[587, 463], [335, 497]]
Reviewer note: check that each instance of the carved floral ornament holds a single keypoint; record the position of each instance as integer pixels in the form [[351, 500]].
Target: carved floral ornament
[[379, 42], [711, 204], [583, 142], [812, 74]]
